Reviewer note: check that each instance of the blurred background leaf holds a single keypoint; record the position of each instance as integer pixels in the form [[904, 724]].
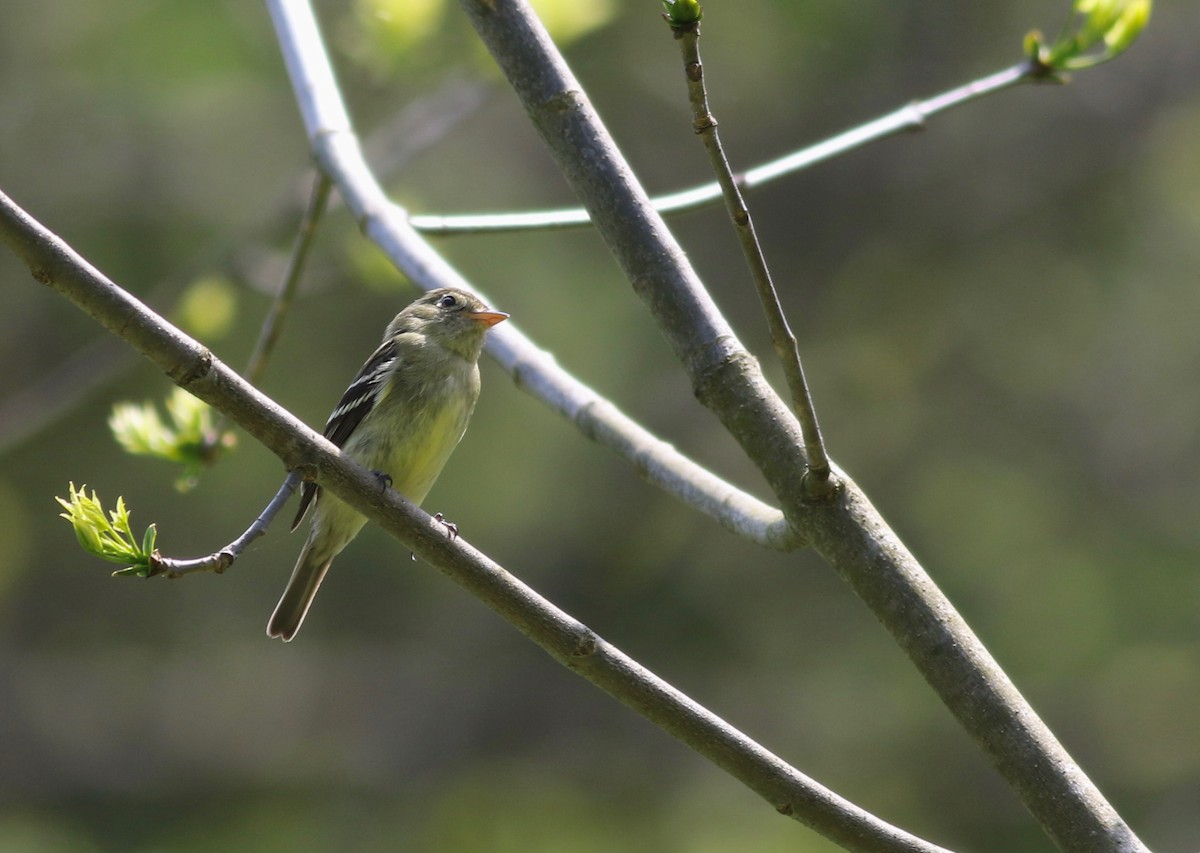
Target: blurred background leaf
[[997, 316]]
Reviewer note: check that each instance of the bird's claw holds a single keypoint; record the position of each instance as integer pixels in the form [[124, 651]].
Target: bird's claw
[[451, 527], [384, 478]]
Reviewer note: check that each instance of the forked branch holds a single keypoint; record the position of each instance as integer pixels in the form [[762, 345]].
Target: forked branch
[[846, 529]]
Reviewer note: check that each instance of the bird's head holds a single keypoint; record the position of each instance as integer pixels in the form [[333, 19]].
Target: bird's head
[[456, 319]]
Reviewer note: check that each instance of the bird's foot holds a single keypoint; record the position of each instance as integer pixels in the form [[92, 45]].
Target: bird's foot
[[451, 527], [385, 480]]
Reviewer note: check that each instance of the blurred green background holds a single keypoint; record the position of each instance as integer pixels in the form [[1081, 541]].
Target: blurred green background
[[999, 318]]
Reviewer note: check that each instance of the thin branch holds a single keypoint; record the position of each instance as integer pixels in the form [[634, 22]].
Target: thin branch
[[568, 641], [911, 117], [705, 125], [51, 395], [338, 153], [268, 336], [845, 529], [220, 560], [908, 118]]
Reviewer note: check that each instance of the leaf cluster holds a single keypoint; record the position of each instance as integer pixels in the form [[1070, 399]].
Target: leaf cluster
[[1095, 32], [191, 439], [108, 536]]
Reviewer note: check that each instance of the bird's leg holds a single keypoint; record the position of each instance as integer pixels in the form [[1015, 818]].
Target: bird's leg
[[384, 478]]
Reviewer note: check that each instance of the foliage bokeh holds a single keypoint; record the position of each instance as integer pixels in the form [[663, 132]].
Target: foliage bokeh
[[997, 317]]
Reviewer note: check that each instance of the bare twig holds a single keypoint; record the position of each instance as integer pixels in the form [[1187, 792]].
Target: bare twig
[[256, 365], [573, 644], [268, 335], [846, 530], [51, 395], [704, 123], [911, 117], [219, 561]]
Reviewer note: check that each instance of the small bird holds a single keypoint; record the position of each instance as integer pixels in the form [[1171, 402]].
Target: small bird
[[402, 417]]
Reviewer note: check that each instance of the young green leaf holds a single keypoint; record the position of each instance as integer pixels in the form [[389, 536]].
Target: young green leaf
[[109, 537], [1097, 31], [190, 439]]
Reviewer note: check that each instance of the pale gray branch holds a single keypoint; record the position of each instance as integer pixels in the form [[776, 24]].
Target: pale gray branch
[[908, 118], [845, 529], [219, 561], [338, 153]]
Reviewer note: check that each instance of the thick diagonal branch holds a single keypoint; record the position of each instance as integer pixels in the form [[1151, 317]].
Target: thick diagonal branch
[[568, 641], [846, 529]]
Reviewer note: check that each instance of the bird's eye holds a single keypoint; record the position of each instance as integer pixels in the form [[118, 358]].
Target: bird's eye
[[447, 301]]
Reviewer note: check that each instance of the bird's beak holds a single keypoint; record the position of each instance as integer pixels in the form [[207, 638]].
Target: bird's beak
[[488, 318]]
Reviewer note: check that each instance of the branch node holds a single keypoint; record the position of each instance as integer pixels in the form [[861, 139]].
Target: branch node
[[306, 470], [198, 369], [916, 117], [364, 219], [225, 559], [586, 644], [679, 30], [819, 485], [156, 565], [586, 420], [562, 102], [707, 372]]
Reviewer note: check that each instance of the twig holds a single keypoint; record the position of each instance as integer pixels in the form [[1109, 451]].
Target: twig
[[908, 118], [219, 561], [51, 395], [256, 365], [268, 335], [846, 530], [573, 644], [704, 123]]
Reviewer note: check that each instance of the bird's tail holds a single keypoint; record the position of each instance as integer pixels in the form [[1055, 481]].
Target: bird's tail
[[298, 596]]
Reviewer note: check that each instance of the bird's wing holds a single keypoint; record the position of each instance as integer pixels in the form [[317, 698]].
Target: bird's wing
[[359, 399]]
